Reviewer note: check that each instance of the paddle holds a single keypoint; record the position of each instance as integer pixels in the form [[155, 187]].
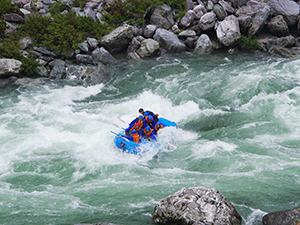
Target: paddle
[[119, 136]]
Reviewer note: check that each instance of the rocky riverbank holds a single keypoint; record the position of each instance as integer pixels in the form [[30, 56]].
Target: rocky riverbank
[[207, 26]]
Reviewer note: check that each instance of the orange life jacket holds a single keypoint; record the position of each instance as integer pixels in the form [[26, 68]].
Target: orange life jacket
[[136, 138], [158, 127], [148, 134]]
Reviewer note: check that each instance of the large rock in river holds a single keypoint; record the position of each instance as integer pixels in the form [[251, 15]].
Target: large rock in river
[[9, 67], [286, 217], [118, 40], [197, 205], [169, 41]]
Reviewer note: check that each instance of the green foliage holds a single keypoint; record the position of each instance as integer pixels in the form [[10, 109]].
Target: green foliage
[[248, 43], [35, 27], [62, 32], [29, 66], [2, 28], [80, 3], [6, 7], [58, 8], [10, 49], [132, 11]]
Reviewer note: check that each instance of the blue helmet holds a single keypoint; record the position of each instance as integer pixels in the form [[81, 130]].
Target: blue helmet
[[150, 117], [141, 117], [147, 128], [133, 132]]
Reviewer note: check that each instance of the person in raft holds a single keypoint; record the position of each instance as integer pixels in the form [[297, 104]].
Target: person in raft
[[149, 134], [135, 137], [149, 121], [157, 127], [147, 113], [136, 124]]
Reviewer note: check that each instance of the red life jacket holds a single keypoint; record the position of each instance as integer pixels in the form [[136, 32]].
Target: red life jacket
[[137, 127]]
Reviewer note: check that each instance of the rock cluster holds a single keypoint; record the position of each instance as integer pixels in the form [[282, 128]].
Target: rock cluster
[[206, 26], [286, 217]]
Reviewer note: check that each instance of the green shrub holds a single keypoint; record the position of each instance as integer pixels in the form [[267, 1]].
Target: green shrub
[[6, 7], [248, 43], [132, 11], [29, 66], [9, 48], [2, 28]]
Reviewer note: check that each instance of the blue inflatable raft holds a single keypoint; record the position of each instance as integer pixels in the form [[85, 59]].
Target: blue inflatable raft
[[136, 148]]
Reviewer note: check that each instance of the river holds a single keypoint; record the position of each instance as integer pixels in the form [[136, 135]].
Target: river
[[238, 131]]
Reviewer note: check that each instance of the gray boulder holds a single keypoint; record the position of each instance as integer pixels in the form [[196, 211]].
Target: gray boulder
[[288, 41], [188, 18], [13, 17], [92, 42], [245, 21], [195, 206], [250, 9], [207, 21], [149, 30], [259, 21], [228, 8], [286, 217], [277, 26], [148, 48], [9, 67], [84, 59], [134, 45], [118, 40], [89, 74], [169, 41], [187, 33], [162, 17], [204, 45], [228, 31], [102, 55], [281, 51], [288, 8], [220, 12]]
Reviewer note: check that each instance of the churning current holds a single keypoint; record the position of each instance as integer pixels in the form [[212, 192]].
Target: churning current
[[238, 131]]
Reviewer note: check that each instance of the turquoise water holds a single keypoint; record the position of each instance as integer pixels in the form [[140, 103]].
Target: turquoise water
[[238, 119]]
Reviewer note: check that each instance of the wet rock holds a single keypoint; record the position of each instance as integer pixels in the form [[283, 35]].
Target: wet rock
[[282, 51], [203, 46], [286, 217], [134, 45], [90, 74], [197, 205], [148, 48], [245, 22], [169, 41], [102, 55], [84, 59]]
